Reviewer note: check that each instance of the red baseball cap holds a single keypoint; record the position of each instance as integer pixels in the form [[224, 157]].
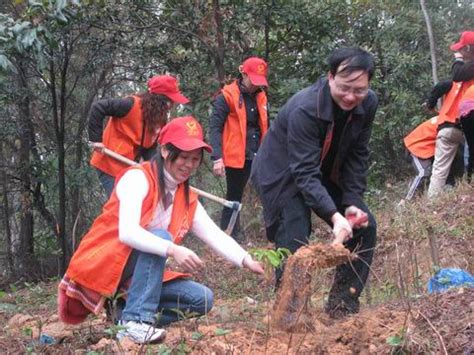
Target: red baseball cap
[[256, 69], [167, 85], [467, 37], [184, 133]]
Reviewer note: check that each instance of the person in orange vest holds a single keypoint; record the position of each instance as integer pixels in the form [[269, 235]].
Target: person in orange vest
[[450, 134], [466, 113], [238, 123], [133, 127], [421, 141], [421, 144], [142, 224]]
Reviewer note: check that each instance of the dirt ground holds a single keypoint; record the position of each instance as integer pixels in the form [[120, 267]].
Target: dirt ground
[[440, 323], [397, 315]]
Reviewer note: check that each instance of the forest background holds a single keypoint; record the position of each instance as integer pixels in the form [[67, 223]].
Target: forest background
[[58, 56]]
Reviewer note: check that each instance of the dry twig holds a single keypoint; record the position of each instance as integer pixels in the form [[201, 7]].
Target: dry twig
[[441, 341]]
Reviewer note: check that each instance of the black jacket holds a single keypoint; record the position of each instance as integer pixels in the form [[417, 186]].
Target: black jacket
[[102, 109], [289, 158], [463, 71]]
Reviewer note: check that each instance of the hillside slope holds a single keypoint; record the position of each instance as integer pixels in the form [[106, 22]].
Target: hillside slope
[[397, 313]]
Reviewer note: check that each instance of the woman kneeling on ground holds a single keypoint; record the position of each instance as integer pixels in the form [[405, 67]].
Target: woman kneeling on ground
[[143, 223]]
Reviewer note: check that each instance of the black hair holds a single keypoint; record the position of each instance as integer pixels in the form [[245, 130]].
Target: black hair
[[158, 163], [352, 59]]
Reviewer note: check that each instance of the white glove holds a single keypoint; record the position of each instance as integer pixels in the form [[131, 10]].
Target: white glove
[[341, 229]]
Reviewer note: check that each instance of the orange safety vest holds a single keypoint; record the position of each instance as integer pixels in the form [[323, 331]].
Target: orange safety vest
[[123, 135], [99, 261], [234, 137], [449, 112], [421, 141]]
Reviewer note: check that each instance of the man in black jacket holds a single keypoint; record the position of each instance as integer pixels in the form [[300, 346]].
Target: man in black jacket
[[315, 157]]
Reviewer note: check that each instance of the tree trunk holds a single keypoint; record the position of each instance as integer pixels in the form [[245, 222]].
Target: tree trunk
[[24, 253], [429, 29], [6, 213], [268, 17], [219, 53], [58, 121], [76, 205]]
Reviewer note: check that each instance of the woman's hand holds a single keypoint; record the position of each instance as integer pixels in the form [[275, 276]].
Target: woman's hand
[[97, 146], [218, 167], [253, 265], [185, 257]]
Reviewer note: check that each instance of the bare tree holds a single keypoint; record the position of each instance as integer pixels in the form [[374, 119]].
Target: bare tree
[[429, 29]]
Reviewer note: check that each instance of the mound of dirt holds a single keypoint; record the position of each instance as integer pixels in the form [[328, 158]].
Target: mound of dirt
[[290, 310]]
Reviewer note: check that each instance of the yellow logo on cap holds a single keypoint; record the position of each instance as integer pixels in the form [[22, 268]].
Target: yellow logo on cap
[[192, 128], [261, 69]]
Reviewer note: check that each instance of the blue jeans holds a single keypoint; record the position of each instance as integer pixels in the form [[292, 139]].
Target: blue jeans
[[107, 181], [152, 301]]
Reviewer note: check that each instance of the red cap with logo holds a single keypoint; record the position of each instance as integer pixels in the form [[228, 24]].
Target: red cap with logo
[[256, 69], [184, 133], [167, 85], [467, 38]]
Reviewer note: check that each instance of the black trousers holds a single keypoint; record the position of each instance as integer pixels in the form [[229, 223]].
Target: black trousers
[[236, 180], [468, 128], [292, 231]]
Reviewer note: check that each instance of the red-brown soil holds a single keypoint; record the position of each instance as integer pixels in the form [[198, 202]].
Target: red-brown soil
[[290, 308], [397, 316], [438, 322]]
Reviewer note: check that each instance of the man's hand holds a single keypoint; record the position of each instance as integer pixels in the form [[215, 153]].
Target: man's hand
[[185, 257], [253, 265], [341, 229], [97, 146], [355, 213], [218, 168]]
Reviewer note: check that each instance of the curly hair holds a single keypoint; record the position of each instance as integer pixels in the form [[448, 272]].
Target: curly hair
[[154, 110]]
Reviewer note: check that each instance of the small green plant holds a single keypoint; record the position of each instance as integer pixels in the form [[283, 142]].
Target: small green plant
[[197, 336], [27, 331], [270, 258], [395, 340], [398, 342], [113, 330], [182, 348], [183, 315], [221, 331], [164, 349]]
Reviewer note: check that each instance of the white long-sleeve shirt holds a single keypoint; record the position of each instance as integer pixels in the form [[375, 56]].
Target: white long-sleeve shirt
[[131, 191]]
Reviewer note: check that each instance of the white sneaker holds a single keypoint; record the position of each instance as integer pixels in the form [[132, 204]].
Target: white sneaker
[[141, 333]]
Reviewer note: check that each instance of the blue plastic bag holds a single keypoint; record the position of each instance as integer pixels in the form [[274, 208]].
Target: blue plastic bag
[[447, 278], [47, 339]]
